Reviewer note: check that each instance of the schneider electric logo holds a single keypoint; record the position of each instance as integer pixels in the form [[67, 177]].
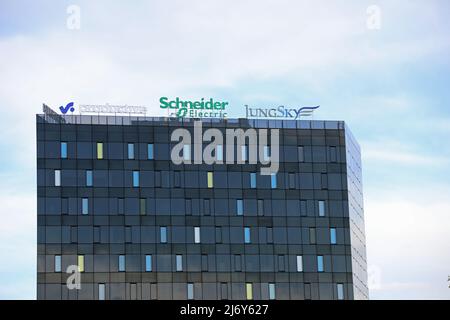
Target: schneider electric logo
[[194, 109]]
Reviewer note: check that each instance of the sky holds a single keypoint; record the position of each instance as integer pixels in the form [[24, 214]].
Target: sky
[[381, 66]]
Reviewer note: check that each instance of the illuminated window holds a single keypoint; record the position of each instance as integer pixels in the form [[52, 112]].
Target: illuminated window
[[321, 208], [89, 180], [135, 179], [252, 180], [299, 263], [186, 152], [179, 262], [57, 263], [319, 263], [249, 291], [340, 291], [99, 150], [163, 234], [150, 155], [190, 291], [85, 206], [219, 150], [271, 291], [148, 263], [247, 238], [333, 235], [80, 263], [196, 234], [239, 207], [210, 179], [273, 180], [244, 153], [121, 263], [57, 178], [131, 151], [266, 153], [64, 150], [101, 291]]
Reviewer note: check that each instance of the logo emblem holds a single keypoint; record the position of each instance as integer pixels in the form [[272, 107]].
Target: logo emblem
[[68, 107]]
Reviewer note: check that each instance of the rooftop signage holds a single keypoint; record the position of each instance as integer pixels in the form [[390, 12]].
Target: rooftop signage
[[112, 109], [279, 112], [194, 109]]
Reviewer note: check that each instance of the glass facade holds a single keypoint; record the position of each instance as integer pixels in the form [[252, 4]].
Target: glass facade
[[140, 227]]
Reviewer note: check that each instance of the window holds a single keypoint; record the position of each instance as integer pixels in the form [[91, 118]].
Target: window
[[131, 151], [252, 180], [177, 179], [135, 179], [291, 180], [271, 291], [260, 207], [186, 152], [299, 263], [321, 208], [142, 207], [210, 179], [244, 153], [340, 291], [239, 207], [266, 153], [150, 155], [301, 154], [99, 150], [97, 234], [190, 291], [101, 291], [148, 263], [319, 263], [269, 234], [273, 180], [179, 262], [120, 206], [333, 235], [206, 207], [281, 259], [247, 235], [64, 150], [57, 263], [80, 263], [196, 234], [163, 234], [85, 206], [57, 178], [249, 291], [121, 263], [204, 262], [312, 235], [188, 207], [333, 154], [89, 180], [237, 263], [219, 150]]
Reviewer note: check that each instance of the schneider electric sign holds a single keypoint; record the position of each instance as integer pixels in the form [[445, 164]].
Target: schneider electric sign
[[194, 109]]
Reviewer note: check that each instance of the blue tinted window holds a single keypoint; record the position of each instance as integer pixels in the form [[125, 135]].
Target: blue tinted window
[[321, 208], [121, 263], [271, 291], [252, 180], [85, 206], [240, 207], [190, 291], [179, 262], [63, 150], [148, 263], [131, 151], [135, 178], [273, 181], [320, 263], [150, 151], [89, 178], [247, 235], [57, 263], [333, 235], [163, 234]]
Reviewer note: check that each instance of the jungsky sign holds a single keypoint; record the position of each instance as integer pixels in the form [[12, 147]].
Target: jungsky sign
[[279, 112]]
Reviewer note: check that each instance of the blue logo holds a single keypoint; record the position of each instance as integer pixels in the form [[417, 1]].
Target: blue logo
[[306, 111], [68, 107]]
